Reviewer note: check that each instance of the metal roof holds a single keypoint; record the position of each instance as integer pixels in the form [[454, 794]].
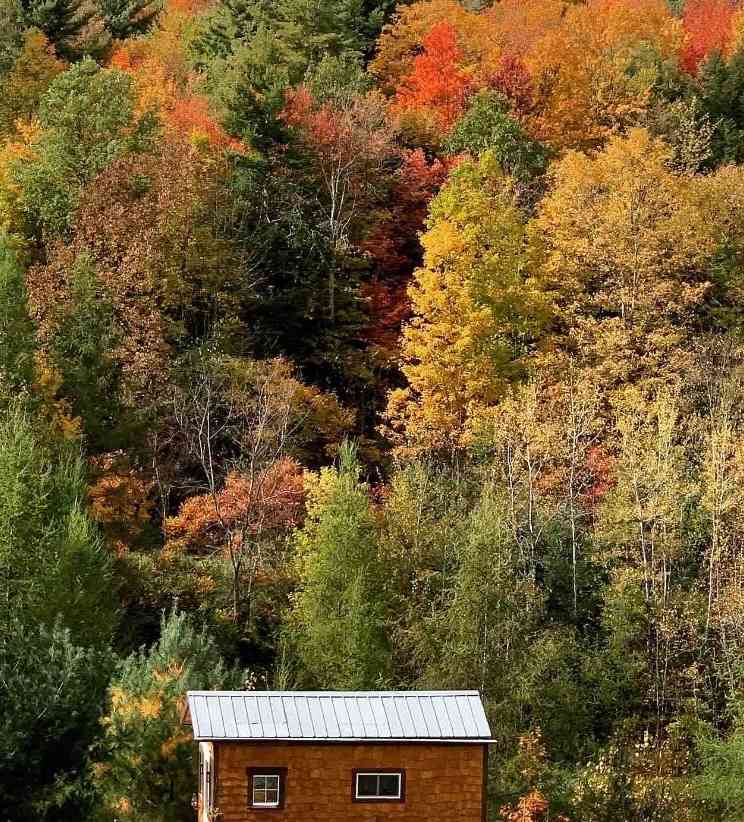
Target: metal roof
[[339, 716]]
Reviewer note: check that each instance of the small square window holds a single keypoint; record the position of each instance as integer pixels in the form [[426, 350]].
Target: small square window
[[267, 788], [378, 786]]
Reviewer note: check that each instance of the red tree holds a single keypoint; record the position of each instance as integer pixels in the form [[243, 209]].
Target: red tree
[[394, 247], [513, 80], [437, 84], [708, 28]]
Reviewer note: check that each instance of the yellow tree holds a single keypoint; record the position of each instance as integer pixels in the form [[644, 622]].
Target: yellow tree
[[593, 73], [31, 74], [642, 533], [626, 247], [475, 310]]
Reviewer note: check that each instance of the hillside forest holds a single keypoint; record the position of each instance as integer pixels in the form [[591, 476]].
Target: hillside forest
[[354, 345]]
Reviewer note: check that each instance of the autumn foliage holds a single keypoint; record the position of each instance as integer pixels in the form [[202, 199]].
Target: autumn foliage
[[371, 344], [708, 28], [165, 83], [438, 84], [245, 508]]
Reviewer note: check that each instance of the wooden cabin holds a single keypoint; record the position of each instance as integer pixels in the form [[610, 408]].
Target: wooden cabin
[[418, 756]]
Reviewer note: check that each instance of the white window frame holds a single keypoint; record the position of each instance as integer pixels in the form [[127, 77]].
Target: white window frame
[[278, 779], [377, 797]]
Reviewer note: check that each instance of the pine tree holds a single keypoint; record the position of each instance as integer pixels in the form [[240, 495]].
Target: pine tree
[[63, 22], [143, 724], [127, 18]]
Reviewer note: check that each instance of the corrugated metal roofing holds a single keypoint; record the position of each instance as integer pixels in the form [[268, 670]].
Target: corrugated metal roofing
[[339, 716]]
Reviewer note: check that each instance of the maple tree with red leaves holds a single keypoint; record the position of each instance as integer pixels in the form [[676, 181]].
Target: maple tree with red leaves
[[438, 84], [393, 245], [708, 28], [513, 80]]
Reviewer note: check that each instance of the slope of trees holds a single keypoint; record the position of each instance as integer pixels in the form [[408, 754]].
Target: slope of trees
[[374, 344]]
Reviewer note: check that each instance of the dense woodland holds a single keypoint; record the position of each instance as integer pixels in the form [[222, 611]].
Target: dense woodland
[[353, 345]]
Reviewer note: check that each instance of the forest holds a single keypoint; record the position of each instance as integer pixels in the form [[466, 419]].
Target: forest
[[354, 344]]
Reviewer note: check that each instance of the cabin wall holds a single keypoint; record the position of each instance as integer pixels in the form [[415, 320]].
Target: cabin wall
[[442, 782]]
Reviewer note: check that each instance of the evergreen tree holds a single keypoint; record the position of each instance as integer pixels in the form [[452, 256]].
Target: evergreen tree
[[11, 33], [63, 22], [128, 18], [51, 693], [721, 85], [52, 562], [17, 343], [146, 765]]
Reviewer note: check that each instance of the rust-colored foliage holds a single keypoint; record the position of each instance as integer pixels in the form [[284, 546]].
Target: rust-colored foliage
[[190, 115], [530, 808], [708, 28], [343, 139], [438, 84], [394, 247], [348, 147], [146, 225], [513, 80], [119, 499], [393, 243], [165, 81], [247, 506], [600, 465]]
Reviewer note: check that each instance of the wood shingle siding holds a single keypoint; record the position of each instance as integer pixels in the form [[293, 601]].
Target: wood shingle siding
[[445, 781]]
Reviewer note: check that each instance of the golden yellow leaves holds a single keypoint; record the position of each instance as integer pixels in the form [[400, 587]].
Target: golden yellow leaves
[[612, 273]]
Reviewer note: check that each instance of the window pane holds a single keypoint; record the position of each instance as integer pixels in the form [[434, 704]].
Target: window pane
[[266, 789], [390, 785], [367, 784]]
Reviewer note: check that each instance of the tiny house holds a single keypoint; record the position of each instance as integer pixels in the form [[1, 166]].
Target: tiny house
[[418, 756]]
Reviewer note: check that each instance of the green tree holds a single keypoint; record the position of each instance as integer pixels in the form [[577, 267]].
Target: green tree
[[337, 622], [719, 785], [488, 125], [17, 342], [721, 89], [11, 33], [52, 562], [87, 119], [81, 349], [63, 22], [51, 693], [145, 768], [127, 18]]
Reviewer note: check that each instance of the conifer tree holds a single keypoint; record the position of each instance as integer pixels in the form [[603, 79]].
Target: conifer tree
[[62, 21]]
